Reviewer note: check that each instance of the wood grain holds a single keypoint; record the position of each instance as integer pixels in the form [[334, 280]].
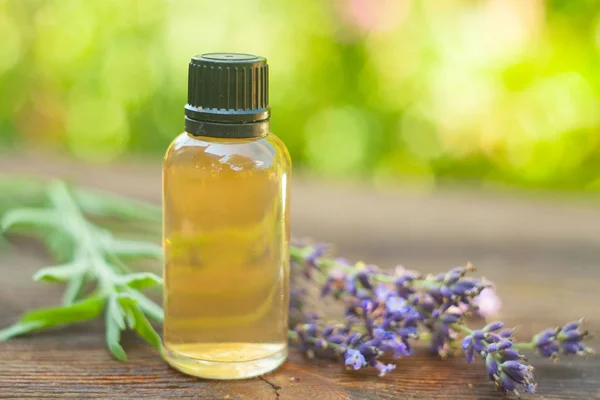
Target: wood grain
[[542, 251]]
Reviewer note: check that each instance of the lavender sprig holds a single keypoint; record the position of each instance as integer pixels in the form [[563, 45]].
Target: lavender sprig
[[385, 312], [567, 339]]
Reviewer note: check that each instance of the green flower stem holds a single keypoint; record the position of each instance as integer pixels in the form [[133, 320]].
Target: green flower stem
[[294, 337], [523, 346], [516, 345], [461, 328]]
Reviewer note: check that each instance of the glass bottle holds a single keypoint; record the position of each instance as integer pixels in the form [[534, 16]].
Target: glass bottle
[[226, 225]]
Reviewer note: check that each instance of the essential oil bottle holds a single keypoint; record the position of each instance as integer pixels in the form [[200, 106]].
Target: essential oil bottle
[[226, 225]]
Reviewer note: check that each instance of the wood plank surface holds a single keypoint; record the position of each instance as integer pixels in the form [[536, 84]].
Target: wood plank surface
[[543, 252]]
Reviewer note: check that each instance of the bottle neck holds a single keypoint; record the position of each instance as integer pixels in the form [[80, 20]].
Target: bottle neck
[[227, 130]]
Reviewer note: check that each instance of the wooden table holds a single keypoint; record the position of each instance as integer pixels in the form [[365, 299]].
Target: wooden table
[[543, 252]]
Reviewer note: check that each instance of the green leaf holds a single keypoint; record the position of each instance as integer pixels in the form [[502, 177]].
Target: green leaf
[[109, 205], [113, 337], [30, 217], [58, 273], [20, 328], [114, 308], [149, 307], [127, 303], [134, 248], [73, 288], [115, 323], [20, 191], [140, 280], [60, 244], [145, 330], [86, 309]]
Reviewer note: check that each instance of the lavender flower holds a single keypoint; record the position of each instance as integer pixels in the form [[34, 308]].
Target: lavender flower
[[441, 332], [570, 339], [507, 369], [390, 342], [404, 279], [363, 278], [385, 312], [545, 343], [473, 343], [566, 339], [353, 358], [310, 260]]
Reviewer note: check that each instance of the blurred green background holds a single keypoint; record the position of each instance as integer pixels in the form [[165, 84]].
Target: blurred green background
[[491, 92]]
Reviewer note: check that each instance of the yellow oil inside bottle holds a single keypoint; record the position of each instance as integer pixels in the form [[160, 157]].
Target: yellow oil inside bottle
[[226, 233]]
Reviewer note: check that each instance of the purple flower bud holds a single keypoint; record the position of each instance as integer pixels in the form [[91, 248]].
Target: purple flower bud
[[505, 344], [492, 338], [572, 348], [454, 275], [492, 348], [490, 365], [571, 325], [368, 350], [381, 334], [494, 326], [327, 331], [449, 319], [478, 334], [363, 278], [514, 369], [544, 337], [548, 350], [310, 329], [506, 383], [353, 358], [466, 287], [478, 346], [469, 353], [570, 336], [353, 339], [336, 339], [445, 291], [466, 343], [511, 354], [506, 333]]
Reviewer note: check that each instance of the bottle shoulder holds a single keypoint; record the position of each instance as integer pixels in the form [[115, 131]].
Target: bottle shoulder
[[240, 154]]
